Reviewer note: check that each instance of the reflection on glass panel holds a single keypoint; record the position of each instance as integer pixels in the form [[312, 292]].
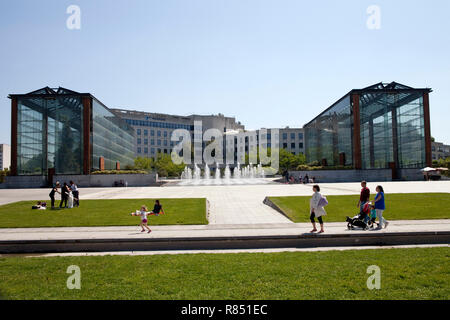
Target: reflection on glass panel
[[64, 147], [112, 139], [329, 137], [30, 143], [49, 135], [411, 133]]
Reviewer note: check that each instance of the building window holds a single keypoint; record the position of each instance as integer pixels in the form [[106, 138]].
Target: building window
[[145, 150], [139, 150], [300, 136], [159, 142], [139, 131], [292, 136], [145, 132], [152, 150], [152, 132], [165, 134], [285, 145], [165, 143], [139, 140], [145, 141], [292, 145], [300, 145], [152, 142], [284, 136], [159, 133]]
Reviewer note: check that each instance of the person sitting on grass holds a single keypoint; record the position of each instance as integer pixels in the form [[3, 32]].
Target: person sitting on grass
[[143, 213], [40, 206], [157, 209]]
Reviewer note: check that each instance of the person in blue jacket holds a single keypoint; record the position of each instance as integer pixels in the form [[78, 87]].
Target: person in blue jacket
[[380, 206]]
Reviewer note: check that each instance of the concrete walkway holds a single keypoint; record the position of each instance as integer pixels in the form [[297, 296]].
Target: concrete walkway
[[214, 231], [218, 237]]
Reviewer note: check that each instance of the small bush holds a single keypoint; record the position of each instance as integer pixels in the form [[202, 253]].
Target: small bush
[[120, 172], [315, 168], [3, 174]]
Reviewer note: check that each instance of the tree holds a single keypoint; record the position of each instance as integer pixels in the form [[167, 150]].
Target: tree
[[68, 156], [289, 161], [165, 166], [141, 163]]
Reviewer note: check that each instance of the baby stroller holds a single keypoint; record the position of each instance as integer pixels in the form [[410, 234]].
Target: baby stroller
[[361, 220]]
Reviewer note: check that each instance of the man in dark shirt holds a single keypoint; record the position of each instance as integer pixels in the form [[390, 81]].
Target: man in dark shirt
[[52, 194], [64, 195], [364, 196]]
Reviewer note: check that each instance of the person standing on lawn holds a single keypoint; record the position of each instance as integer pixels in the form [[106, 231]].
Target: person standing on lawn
[[52, 193], [364, 196], [64, 195], [380, 207], [76, 194], [316, 210]]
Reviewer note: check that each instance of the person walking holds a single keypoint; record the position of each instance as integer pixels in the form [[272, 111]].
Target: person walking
[[76, 194], [316, 210], [64, 195], [380, 207], [364, 196], [52, 194]]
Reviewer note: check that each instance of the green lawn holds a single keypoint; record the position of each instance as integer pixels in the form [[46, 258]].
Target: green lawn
[[412, 206], [103, 213], [419, 273]]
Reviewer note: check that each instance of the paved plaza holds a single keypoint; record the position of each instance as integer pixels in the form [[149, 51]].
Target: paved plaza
[[237, 219], [232, 204]]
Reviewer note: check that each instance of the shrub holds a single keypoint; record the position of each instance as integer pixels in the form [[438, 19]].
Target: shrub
[[3, 174], [120, 172]]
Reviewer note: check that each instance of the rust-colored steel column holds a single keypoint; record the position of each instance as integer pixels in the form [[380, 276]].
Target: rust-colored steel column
[[14, 115], [87, 106], [101, 164], [357, 160], [427, 124]]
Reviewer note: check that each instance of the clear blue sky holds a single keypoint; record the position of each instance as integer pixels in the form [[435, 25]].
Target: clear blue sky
[[268, 63]]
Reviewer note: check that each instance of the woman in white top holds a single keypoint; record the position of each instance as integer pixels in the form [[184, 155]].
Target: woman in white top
[[70, 199], [315, 210]]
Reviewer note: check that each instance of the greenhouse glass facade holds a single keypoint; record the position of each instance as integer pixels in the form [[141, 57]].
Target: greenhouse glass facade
[[378, 127], [66, 132]]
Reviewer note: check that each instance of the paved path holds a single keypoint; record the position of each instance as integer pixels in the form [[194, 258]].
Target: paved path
[[236, 204], [208, 231]]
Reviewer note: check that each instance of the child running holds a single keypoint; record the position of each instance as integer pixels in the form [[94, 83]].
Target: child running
[[143, 213]]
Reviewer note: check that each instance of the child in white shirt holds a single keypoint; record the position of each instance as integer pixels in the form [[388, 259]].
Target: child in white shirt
[[143, 213]]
